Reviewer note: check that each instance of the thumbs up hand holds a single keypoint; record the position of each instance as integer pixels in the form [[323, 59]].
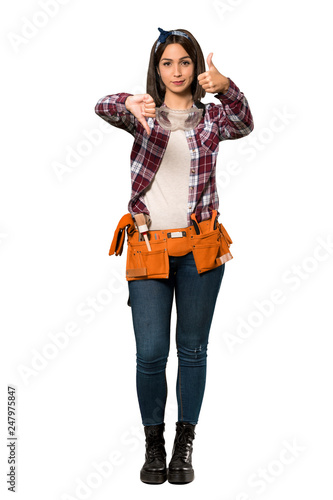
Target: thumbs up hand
[[212, 80]]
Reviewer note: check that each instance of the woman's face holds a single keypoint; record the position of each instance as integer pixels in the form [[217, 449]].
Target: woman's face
[[176, 69]]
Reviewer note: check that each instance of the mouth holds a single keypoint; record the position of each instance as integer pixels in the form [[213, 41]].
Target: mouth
[[180, 82]]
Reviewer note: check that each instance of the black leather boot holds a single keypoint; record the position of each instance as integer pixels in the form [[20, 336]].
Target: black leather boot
[[180, 466], [154, 470]]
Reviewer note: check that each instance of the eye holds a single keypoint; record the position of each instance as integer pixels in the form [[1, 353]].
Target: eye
[[166, 63], [186, 63]]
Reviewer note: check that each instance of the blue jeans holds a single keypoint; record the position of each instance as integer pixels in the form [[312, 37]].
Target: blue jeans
[[151, 303]]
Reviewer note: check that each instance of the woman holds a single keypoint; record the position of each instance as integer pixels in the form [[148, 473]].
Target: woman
[[179, 248]]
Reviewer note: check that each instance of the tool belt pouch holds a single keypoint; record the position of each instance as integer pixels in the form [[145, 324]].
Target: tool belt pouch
[[142, 263], [225, 237], [211, 249], [225, 243], [206, 250], [117, 244]]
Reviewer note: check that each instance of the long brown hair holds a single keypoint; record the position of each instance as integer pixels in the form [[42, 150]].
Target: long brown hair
[[155, 86]]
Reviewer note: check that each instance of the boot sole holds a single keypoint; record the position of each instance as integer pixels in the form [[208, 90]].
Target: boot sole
[[182, 477], [153, 478]]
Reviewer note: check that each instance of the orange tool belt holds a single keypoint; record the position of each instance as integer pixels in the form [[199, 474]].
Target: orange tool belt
[[208, 240]]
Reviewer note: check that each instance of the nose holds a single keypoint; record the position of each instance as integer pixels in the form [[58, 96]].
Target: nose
[[177, 70]]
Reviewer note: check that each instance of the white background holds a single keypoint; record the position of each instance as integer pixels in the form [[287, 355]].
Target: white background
[[268, 383]]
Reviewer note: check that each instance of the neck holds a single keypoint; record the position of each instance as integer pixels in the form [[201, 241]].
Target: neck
[[178, 101]]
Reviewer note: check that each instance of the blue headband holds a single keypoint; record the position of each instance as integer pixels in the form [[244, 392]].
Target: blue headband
[[164, 35]]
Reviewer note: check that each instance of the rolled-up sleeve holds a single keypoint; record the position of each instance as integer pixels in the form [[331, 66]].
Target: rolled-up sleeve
[[113, 110], [234, 117]]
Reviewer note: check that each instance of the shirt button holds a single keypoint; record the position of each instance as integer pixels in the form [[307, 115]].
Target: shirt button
[[190, 208], [191, 188], [193, 170]]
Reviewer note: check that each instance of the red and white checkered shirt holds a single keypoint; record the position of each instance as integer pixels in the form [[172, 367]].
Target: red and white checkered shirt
[[232, 119]]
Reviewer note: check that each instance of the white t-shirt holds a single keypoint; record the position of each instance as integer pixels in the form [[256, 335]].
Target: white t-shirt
[[167, 196]]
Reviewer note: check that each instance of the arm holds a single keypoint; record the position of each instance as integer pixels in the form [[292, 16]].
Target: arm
[[234, 116], [113, 110]]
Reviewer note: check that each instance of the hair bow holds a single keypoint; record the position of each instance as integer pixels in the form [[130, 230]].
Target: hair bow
[[164, 35]]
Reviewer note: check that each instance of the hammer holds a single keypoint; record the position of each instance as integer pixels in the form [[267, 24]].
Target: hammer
[[142, 227]]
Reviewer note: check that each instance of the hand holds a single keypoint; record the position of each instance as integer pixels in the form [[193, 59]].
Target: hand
[[141, 106], [212, 80]]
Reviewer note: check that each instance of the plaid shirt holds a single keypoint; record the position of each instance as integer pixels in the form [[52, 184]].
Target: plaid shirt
[[232, 119]]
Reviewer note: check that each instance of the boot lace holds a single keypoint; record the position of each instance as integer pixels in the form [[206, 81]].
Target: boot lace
[[155, 447], [182, 443]]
